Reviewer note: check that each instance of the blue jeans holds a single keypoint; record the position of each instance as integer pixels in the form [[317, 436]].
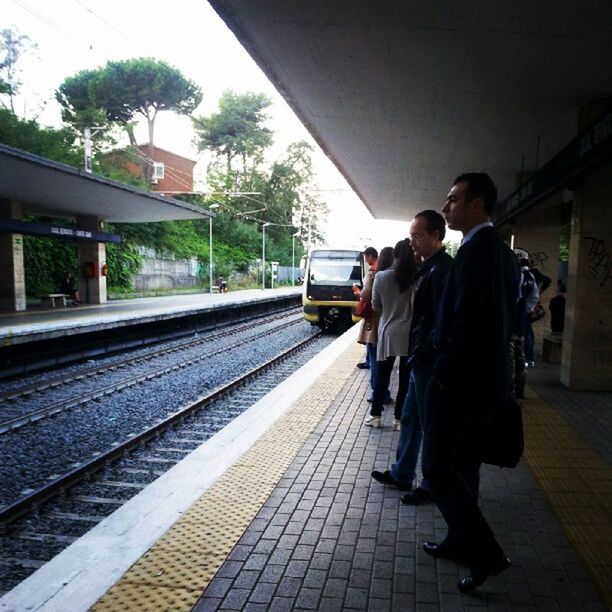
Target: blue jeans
[[371, 358], [412, 426], [529, 341]]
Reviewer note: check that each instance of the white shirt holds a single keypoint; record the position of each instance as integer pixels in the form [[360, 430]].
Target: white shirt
[[473, 231]]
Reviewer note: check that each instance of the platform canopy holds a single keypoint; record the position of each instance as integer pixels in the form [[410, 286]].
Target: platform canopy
[[403, 95], [45, 187]]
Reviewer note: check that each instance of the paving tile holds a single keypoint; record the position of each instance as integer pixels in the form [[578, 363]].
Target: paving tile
[[256, 562], [321, 561], [356, 598], [282, 604], [262, 593], [315, 579], [289, 587], [335, 587], [296, 569], [236, 599], [308, 599], [218, 587], [330, 538]]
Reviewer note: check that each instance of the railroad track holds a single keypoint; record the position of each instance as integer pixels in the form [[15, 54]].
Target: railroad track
[[14, 422], [53, 382], [52, 516]]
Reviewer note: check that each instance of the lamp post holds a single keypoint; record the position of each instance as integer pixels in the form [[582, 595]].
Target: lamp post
[[263, 255], [293, 257], [210, 251]]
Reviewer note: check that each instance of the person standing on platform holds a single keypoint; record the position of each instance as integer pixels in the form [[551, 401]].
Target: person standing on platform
[[529, 298], [557, 309], [368, 332], [392, 297], [371, 258], [426, 234], [472, 416]]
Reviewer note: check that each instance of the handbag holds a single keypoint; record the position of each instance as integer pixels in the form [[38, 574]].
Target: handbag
[[364, 309], [537, 313]]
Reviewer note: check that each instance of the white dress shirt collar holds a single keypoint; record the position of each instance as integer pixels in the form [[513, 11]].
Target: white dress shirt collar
[[473, 231]]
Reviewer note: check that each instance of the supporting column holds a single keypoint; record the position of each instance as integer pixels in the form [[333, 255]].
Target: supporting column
[[587, 338], [12, 269], [91, 258], [538, 231]]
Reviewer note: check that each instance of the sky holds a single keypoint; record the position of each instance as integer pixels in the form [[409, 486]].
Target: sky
[[73, 35]]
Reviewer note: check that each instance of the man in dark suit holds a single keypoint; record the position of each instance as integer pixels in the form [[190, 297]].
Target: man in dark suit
[[471, 414]]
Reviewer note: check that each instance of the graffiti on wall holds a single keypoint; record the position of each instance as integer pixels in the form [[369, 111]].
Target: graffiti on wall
[[537, 259], [599, 260]]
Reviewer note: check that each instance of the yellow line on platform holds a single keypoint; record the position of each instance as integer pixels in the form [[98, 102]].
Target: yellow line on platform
[[578, 484], [173, 574]]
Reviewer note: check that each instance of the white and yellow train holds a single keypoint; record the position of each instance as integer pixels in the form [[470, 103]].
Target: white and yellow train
[[327, 294]]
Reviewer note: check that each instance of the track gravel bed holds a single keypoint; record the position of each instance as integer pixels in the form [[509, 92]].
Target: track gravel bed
[[35, 539], [37, 452]]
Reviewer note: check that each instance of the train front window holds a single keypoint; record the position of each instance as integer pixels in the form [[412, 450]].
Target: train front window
[[335, 268]]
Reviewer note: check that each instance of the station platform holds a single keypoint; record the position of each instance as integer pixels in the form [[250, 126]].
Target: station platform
[[278, 511], [38, 324]]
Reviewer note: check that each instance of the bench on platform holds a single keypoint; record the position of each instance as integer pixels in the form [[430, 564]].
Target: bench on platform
[[49, 299], [552, 344]]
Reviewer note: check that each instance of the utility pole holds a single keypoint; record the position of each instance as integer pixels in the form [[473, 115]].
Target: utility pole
[[263, 255], [87, 134]]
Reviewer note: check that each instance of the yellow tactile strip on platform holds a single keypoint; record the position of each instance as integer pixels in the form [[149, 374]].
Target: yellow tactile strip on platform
[[173, 574], [578, 484]]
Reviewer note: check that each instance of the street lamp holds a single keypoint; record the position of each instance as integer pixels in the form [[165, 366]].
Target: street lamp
[[210, 252], [263, 255], [293, 257]]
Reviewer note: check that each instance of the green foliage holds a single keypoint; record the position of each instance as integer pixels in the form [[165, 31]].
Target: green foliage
[[124, 262], [564, 242], [46, 262], [77, 97], [236, 130], [121, 90], [57, 145]]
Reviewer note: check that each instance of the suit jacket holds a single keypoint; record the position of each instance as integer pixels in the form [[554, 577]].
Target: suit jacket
[[473, 334], [429, 287]]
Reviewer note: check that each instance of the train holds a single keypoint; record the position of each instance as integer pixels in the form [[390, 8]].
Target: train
[[327, 294]]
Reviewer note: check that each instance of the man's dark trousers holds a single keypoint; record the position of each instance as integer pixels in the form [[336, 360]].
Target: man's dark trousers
[[453, 479]]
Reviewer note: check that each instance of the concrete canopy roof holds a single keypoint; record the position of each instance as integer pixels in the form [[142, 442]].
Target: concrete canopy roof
[[404, 95], [45, 187]]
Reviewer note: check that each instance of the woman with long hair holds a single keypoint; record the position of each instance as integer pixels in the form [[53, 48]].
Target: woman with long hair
[[368, 332], [392, 295]]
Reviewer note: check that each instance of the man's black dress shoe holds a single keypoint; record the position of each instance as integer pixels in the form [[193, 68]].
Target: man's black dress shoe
[[445, 551], [387, 479], [480, 574], [363, 365], [417, 497]]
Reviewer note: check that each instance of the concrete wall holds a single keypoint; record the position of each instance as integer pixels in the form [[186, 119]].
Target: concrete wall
[[587, 340], [160, 273]]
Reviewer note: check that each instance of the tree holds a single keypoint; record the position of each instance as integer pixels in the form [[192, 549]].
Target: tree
[[121, 91], [57, 145], [291, 182], [236, 131], [12, 46]]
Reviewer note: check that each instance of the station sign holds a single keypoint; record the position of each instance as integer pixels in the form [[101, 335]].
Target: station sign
[[14, 226], [591, 147]]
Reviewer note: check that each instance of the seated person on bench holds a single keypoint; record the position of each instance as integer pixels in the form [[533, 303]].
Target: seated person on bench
[[68, 287]]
